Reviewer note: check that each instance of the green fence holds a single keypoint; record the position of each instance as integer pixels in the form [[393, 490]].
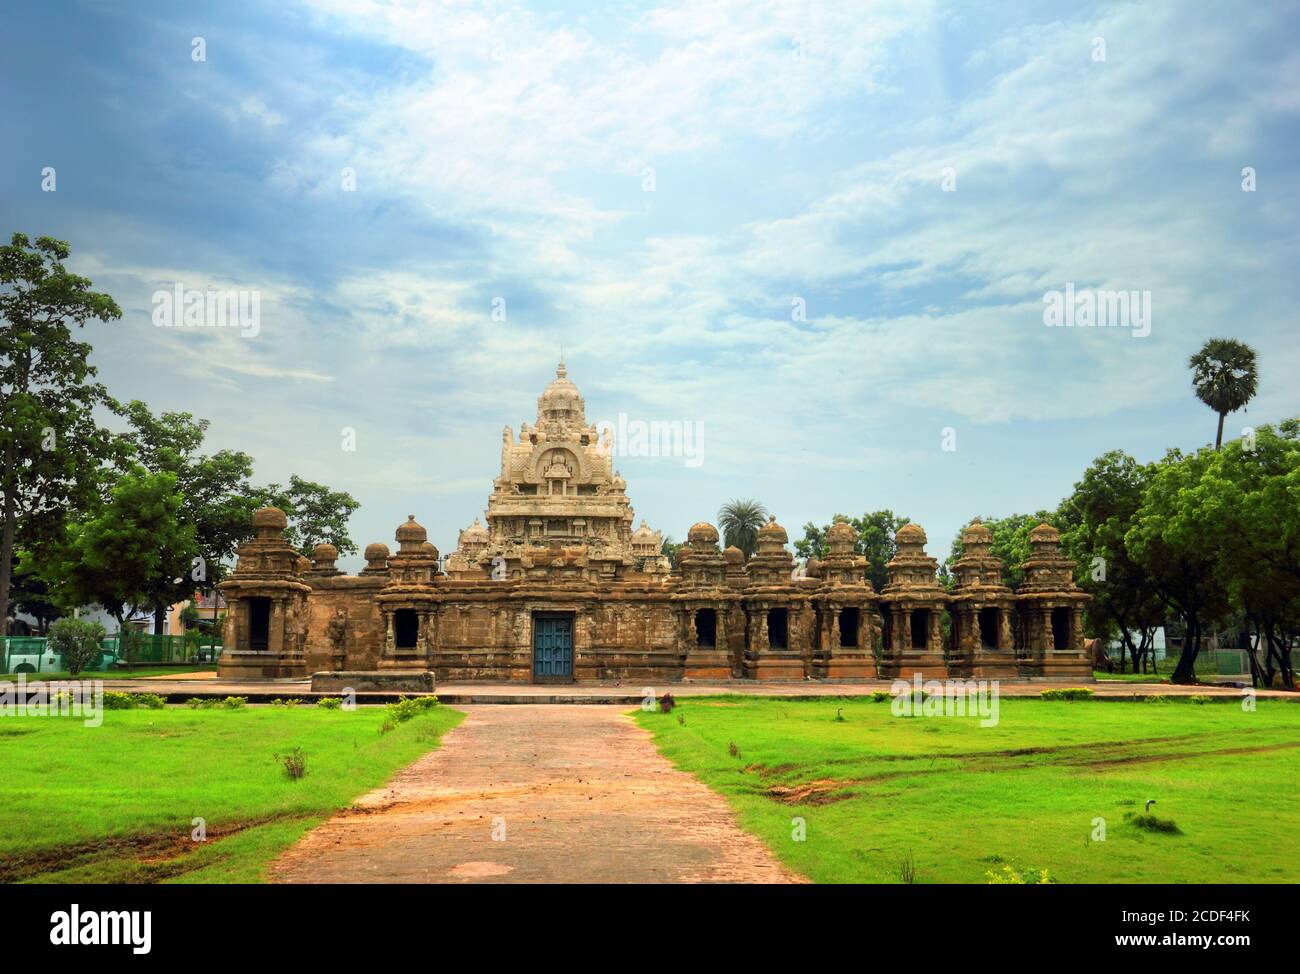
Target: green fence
[[31, 654]]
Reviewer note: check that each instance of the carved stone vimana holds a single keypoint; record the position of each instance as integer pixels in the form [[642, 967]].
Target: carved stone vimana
[[558, 586]]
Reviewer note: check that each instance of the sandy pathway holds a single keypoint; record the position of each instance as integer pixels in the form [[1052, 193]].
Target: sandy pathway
[[535, 794]]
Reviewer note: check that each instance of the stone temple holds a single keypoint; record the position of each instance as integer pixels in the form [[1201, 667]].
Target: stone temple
[[558, 586]]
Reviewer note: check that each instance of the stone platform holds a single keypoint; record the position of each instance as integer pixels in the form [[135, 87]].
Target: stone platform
[[383, 681], [178, 689]]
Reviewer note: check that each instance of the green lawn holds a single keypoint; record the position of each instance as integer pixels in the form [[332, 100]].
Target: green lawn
[[115, 803], [118, 673], [957, 800]]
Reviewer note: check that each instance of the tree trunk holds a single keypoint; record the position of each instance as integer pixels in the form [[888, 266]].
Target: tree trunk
[[1218, 439], [7, 539], [1185, 671], [159, 619]]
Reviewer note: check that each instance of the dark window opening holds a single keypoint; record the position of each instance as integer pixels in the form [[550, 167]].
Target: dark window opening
[[778, 625], [989, 628], [259, 624], [920, 628], [1060, 628], [406, 628], [706, 628], [849, 627]]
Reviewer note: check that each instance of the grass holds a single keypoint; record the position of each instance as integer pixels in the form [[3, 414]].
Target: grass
[[956, 802], [118, 673], [116, 803]]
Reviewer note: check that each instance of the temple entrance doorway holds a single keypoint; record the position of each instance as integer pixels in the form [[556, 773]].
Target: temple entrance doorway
[[552, 647]]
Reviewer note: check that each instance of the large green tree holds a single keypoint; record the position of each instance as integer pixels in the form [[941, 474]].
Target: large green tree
[[1010, 543], [115, 557], [1098, 515], [1247, 509], [217, 498], [1225, 377], [316, 513], [52, 451], [1176, 548], [875, 541]]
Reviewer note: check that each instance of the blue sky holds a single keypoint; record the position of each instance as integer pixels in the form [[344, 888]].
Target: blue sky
[[798, 151]]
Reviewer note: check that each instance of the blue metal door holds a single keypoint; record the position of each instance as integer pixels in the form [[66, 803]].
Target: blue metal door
[[553, 648]]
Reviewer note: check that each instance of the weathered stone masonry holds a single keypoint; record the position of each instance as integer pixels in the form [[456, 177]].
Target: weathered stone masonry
[[559, 552]]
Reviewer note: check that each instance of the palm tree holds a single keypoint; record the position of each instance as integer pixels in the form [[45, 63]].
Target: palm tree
[[740, 521], [1225, 377]]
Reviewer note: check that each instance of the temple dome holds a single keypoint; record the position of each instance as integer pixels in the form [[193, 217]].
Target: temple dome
[[910, 534], [560, 393], [976, 533], [429, 550], [842, 531], [733, 555], [643, 534], [324, 552], [475, 533], [270, 517], [1045, 533], [703, 532], [411, 531], [771, 531], [376, 551]]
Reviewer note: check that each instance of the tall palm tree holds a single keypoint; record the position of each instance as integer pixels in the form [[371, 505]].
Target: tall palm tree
[[1225, 377], [740, 521]]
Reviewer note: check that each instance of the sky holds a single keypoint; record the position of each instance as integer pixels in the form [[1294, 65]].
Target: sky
[[822, 232]]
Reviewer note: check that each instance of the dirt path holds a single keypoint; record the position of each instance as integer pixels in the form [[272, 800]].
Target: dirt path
[[535, 794]]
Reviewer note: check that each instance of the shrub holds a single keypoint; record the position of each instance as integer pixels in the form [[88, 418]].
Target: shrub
[[295, 764], [329, 703], [118, 700], [1067, 693], [733, 750], [77, 641], [211, 703], [286, 701], [407, 707], [1151, 823], [1200, 698], [1156, 698], [1010, 877], [666, 703], [880, 696]]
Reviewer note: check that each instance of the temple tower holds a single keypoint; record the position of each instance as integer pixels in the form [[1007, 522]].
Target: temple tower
[[1051, 612], [913, 604], [982, 606], [266, 623]]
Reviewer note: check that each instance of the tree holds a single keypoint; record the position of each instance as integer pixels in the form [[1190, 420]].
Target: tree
[[31, 595], [1176, 548], [875, 541], [114, 558], [217, 499], [1225, 377], [1246, 510], [669, 550], [1010, 543], [740, 521], [79, 642], [1096, 517], [316, 514], [51, 447]]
